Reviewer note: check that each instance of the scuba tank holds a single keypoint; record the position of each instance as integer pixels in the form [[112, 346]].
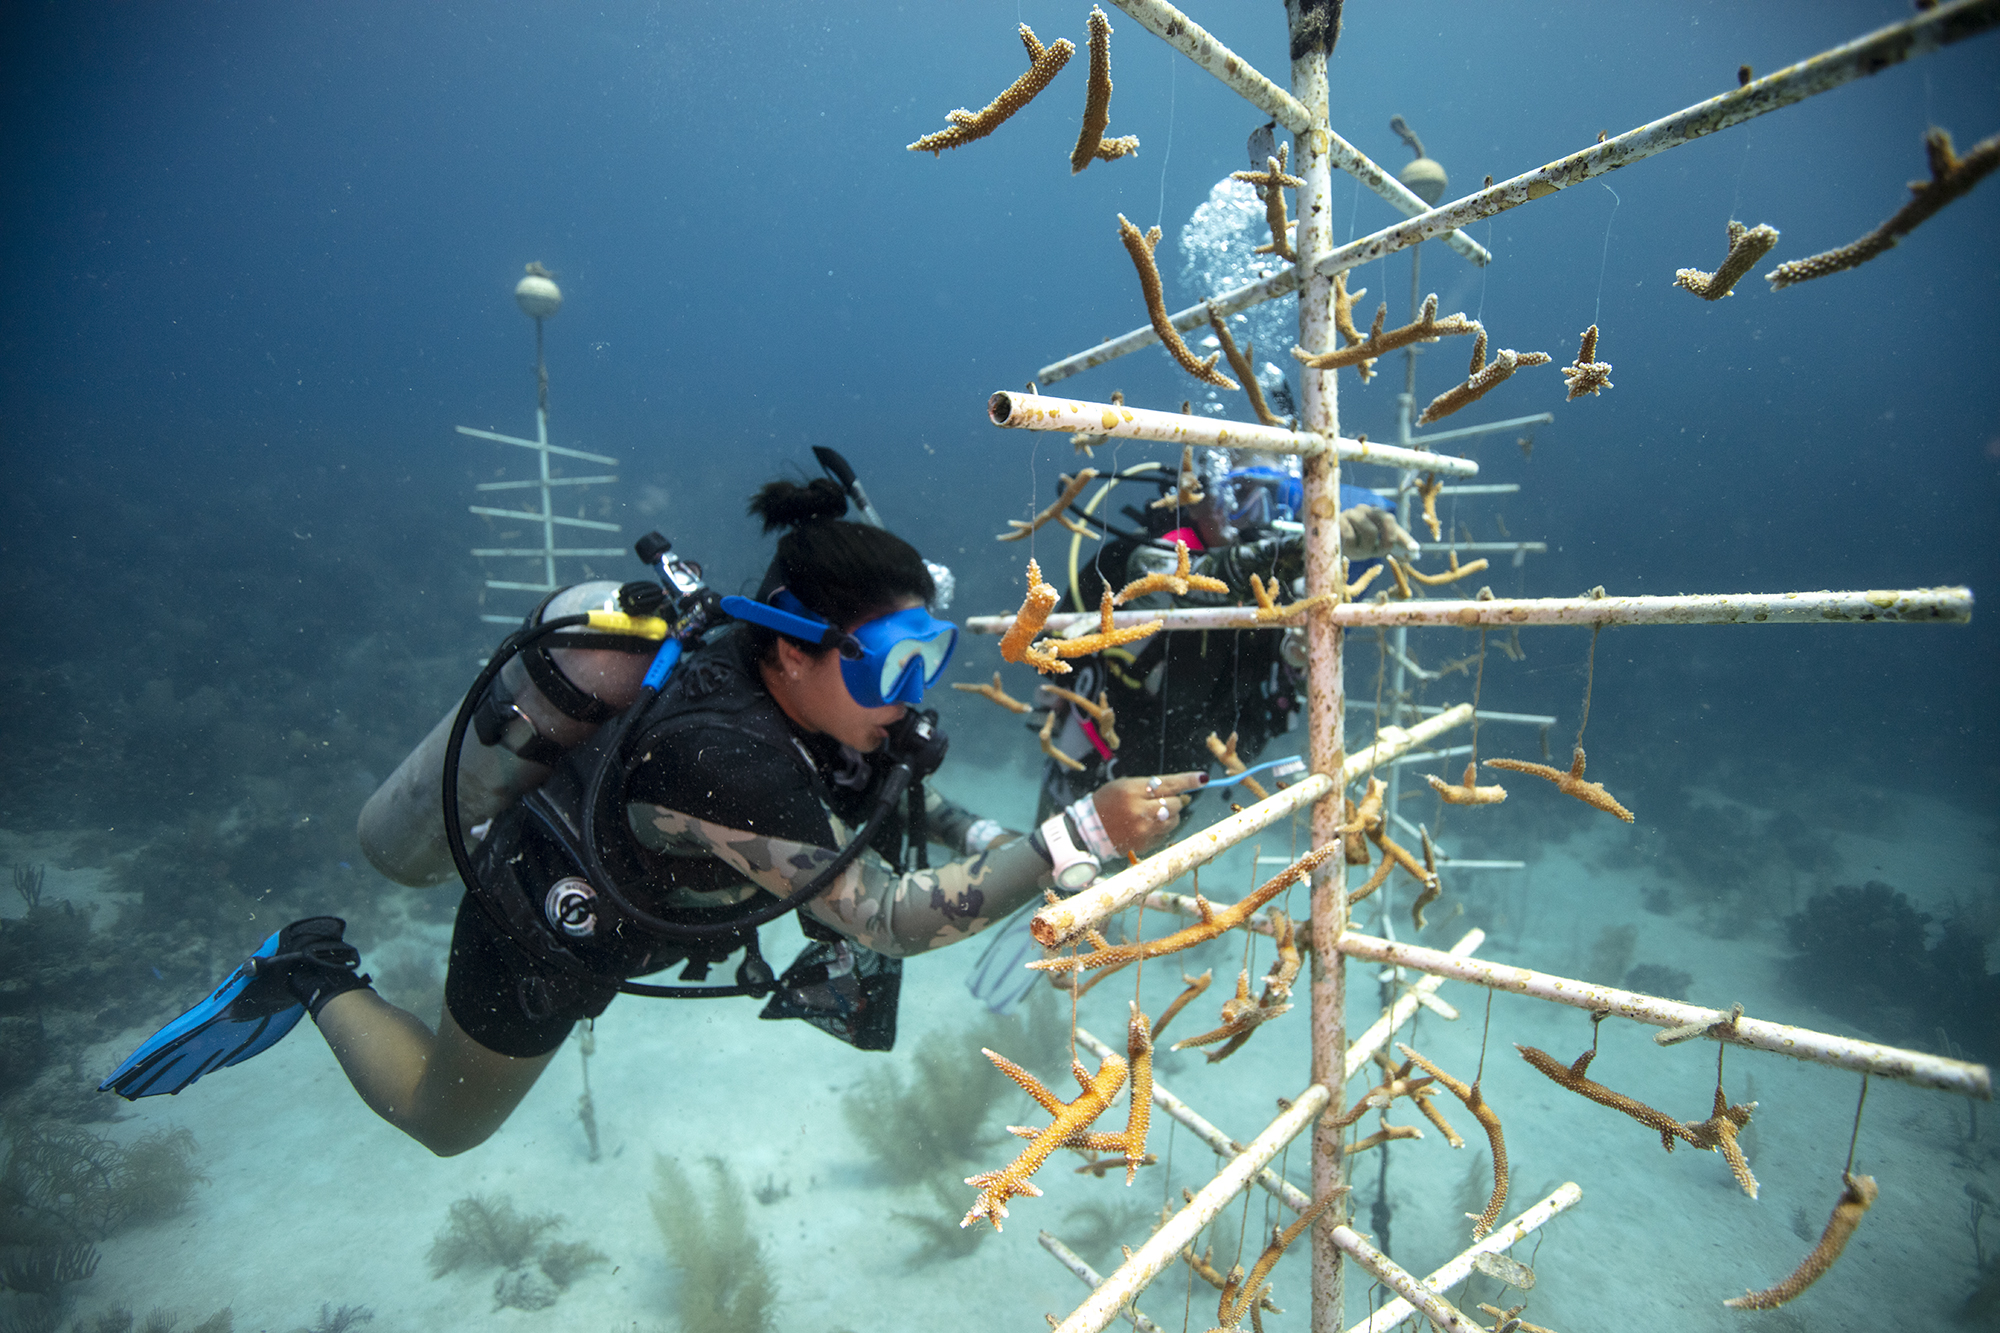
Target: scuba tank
[[547, 700]]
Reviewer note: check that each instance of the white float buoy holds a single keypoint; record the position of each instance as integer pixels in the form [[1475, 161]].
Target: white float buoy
[[537, 294]]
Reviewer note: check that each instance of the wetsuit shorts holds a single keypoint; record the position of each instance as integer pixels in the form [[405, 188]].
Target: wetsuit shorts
[[507, 1001]]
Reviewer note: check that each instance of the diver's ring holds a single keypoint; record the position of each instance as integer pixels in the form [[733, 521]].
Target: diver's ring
[[1152, 786], [1164, 815]]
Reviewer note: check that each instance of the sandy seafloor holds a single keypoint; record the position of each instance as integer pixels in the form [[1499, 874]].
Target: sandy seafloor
[[310, 1199]]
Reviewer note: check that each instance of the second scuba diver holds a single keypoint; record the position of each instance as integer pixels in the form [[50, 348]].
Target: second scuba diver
[[1170, 691], [633, 825]]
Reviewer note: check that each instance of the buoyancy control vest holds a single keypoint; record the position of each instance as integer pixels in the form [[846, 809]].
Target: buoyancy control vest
[[535, 870]]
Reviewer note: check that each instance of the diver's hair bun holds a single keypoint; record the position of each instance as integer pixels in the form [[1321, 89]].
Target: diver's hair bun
[[786, 504]]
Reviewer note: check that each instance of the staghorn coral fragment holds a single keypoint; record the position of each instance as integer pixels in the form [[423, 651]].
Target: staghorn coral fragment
[[1587, 374], [1108, 635], [1452, 574], [1204, 1268], [1213, 922], [1101, 712], [1179, 583], [1044, 63], [1857, 1195], [1047, 736], [1072, 487], [1570, 784], [995, 693], [1091, 145], [1268, 610], [1747, 245], [1374, 881], [1271, 185], [1388, 1133], [1017, 644], [1241, 1015], [1239, 361], [1482, 380], [1467, 792], [1573, 1078], [1131, 1142], [1718, 1133], [1426, 327], [1196, 986], [1187, 483], [1951, 176], [1343, 320], [1071, 1118], [1433, 888], [1432, 485], [1489, 1120], [1140, 247], [1225, 754], [1249, 1295]]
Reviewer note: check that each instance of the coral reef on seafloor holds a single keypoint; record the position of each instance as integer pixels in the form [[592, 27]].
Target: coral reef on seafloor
[[726, 1284], [484, 1231], [1862, 953], [61, 1184]]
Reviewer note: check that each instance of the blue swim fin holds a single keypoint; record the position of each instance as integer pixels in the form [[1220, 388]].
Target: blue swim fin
[[261, 1001]]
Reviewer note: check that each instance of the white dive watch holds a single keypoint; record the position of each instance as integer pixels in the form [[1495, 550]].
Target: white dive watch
[[1073, 867]]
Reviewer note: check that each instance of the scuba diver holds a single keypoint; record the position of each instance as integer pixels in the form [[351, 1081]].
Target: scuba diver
[[1170, 691], [614, 809]]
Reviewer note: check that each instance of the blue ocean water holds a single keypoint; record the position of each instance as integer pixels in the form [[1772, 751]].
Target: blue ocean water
[[261, 260]]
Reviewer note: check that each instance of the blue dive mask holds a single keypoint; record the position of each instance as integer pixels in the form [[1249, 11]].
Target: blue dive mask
[[888, 660]]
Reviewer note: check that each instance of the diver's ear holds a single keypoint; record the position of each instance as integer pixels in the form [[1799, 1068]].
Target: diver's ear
[[791, 660]]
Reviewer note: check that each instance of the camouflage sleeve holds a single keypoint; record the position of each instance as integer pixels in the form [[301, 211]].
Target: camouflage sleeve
[[870, 903]]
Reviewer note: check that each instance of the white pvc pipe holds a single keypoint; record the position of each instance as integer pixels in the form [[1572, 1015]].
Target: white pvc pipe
[[1489, 428], [1919, 606], [540, 446], [1444, 1279], [1871, 54], [1058, 923], [1033, 411], [1165, 1245], [1877, 51], [1394, 1276], [1193, 41], [1075, 1263], [1915, 1067], [1485, 714]]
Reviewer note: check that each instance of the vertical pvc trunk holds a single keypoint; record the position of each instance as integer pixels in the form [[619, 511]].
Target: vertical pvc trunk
[[1324, 705]]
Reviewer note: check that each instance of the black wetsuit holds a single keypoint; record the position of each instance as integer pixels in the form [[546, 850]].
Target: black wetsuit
[[726, 804]]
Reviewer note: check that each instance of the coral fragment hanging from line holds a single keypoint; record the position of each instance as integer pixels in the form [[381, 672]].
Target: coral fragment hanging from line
[[1747, 245], [1140, 246], [1951, 177], [1587, 374], [1091, 145], [1044, 63], [1426, 327], [1570, 784]]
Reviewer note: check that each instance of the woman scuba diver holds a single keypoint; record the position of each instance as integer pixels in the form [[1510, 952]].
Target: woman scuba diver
[[777, 768]]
